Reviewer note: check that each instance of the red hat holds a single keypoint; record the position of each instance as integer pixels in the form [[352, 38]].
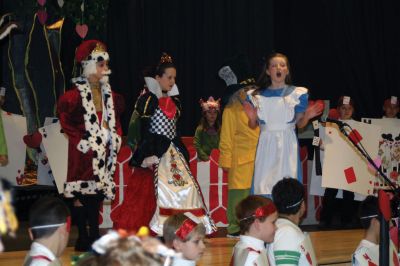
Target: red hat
[[86, 48], [89, 53]]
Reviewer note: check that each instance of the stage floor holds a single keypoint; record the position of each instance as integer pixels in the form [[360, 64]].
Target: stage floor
[[331, 247]]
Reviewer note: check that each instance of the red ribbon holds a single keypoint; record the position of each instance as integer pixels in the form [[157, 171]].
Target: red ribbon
[[264, 211], [185, 229]]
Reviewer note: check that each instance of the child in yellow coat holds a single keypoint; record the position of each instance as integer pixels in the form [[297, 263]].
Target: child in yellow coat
[[238, 142]]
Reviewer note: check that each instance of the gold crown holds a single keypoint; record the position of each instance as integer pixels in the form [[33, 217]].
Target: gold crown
[[99, 48], [165, 58]]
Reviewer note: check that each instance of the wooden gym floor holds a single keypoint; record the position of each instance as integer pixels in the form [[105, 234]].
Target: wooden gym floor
[[331, 247]]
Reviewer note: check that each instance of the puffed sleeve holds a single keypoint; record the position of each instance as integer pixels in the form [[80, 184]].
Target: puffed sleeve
[[302, 105], [144, 109]]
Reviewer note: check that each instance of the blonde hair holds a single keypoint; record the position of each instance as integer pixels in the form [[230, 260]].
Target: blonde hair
[[128, 252]]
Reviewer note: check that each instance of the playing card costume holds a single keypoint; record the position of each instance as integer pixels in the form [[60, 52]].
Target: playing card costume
[[94, 138], [155, 141]]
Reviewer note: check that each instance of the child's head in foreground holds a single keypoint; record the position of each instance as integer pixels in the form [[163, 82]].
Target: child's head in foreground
[[257, 216], [369, 210], [185, 234], [49, 222], [288, 195]]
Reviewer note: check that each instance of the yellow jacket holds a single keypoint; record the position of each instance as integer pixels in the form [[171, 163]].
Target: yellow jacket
[[238, 143]]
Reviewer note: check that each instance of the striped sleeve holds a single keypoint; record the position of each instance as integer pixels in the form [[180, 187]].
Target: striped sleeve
[[286, 257]]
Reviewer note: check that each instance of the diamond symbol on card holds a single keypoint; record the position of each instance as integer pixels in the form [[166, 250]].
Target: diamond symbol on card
[[350, 175]]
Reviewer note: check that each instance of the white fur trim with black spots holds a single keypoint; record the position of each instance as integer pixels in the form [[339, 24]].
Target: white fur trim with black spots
[[96, 139]]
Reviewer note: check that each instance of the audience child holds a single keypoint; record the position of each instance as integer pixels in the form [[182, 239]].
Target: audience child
[[185, 234], [367, 251], [291, 246], [257, 216], [49, 227], [128, 251], [206, 137]]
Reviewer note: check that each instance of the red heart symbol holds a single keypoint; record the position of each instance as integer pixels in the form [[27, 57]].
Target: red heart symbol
[[33, 140], [20, 179], [81, 30], [41, 2], [42, 16]]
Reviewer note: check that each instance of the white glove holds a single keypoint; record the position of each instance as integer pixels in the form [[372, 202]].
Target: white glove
[[149, 161]]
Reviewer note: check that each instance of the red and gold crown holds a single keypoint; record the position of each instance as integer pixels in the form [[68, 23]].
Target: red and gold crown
[[87, 48]]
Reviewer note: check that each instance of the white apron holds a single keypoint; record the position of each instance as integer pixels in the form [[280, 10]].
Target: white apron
[[277, 150], [177, 192]]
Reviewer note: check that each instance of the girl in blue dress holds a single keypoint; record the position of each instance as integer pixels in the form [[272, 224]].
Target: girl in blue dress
[[277, 107]]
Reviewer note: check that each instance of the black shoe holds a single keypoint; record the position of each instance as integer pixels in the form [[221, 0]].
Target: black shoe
[[82, 245], [233, 235]]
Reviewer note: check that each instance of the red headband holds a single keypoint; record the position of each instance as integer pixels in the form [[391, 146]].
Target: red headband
[[262, 211], [185, 229]]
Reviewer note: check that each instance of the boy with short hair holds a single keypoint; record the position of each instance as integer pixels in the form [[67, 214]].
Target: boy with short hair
[[368, 249], [185, 233], [256, 216], [49, 227], [291, 246]]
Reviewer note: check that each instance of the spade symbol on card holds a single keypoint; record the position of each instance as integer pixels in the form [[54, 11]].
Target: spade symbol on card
[[350, 175]]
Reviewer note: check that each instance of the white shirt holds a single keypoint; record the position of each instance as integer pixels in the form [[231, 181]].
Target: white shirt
[[286, 248], [41, 255], [365, 252], [249, 251], [183, 262]]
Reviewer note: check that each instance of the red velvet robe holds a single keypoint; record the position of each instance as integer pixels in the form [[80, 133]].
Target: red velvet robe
[[70, 112]]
